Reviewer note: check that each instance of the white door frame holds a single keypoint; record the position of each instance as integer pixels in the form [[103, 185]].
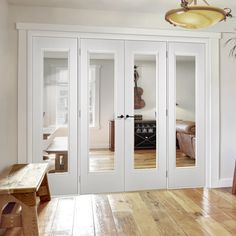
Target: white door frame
[[27, 30]]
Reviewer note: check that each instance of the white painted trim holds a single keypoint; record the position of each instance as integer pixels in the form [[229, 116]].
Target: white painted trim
[[82, 35], [29, 99], [214, 116], [22, 97], [225, 182], [208, 114], [116, 30], [79, 133]]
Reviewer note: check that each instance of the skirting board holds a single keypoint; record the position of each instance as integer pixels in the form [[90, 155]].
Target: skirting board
[[226, 182]]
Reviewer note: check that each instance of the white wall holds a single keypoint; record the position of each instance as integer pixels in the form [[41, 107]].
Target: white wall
[[8, 108], [228, 111]]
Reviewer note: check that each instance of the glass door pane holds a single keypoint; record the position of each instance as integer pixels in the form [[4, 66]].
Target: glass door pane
[[101, 112], [185, 111], [55, 111], [145, 131]]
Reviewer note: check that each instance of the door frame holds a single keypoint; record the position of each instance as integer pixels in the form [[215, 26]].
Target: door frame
[[26, 31]]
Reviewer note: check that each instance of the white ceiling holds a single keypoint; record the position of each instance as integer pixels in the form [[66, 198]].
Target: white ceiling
[[152, 6]]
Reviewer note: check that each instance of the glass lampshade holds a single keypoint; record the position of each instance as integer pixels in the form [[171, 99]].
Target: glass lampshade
[[196, 17]]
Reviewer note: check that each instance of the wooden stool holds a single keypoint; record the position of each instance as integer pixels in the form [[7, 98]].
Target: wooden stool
[[234, 181], [18, 191]]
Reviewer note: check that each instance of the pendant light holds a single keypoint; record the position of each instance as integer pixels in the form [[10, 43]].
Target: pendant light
[[194, 16]]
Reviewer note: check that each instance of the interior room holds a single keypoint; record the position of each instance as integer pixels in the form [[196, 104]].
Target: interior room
[[117, 118]]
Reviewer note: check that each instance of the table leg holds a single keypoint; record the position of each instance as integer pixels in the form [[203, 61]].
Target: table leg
[[234, 181]]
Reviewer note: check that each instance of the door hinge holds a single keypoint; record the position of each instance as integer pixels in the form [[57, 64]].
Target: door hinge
[[167, 54], [167, 113], [79, 113], [79, 179], [79, 51], [166, 174]]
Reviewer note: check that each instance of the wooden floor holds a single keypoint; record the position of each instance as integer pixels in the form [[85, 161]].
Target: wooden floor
[[149, 213], [103, 159]]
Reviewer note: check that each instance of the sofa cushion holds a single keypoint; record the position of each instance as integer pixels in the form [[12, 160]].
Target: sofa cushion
[[187, 127]]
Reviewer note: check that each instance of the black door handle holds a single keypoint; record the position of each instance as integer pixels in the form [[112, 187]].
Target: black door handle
[[128, 116], [120, 117]]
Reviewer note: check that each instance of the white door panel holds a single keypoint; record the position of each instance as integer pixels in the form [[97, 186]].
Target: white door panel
[[186, 110], [102, 76], [54, 94], [144, 155], [145, 140]]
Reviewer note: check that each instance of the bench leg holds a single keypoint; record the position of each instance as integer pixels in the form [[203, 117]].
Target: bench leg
[[234, 182], [30, 221], [44, 192], [29, 213], [2, 204]]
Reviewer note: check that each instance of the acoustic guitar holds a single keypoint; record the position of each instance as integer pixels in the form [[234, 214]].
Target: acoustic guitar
[[139, 103]]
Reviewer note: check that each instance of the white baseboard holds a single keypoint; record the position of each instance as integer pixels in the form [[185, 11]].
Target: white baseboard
[[226, 182]]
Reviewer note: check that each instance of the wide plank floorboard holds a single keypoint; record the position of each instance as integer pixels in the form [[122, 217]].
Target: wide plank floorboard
[[148, 213]]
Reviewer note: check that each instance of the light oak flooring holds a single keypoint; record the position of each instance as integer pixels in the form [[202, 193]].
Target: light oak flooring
[[149, 213], [103, 159]]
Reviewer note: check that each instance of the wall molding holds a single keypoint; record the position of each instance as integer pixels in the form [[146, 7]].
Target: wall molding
[[116, 30]]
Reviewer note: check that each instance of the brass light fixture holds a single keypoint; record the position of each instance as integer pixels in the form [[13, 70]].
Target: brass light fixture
[[194, 16]]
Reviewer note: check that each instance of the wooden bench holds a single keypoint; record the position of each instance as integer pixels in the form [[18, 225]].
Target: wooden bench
[[18, 192], [11, 216]]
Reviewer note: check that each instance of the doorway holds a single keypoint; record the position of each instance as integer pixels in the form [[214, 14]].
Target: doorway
[[141, 110]]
